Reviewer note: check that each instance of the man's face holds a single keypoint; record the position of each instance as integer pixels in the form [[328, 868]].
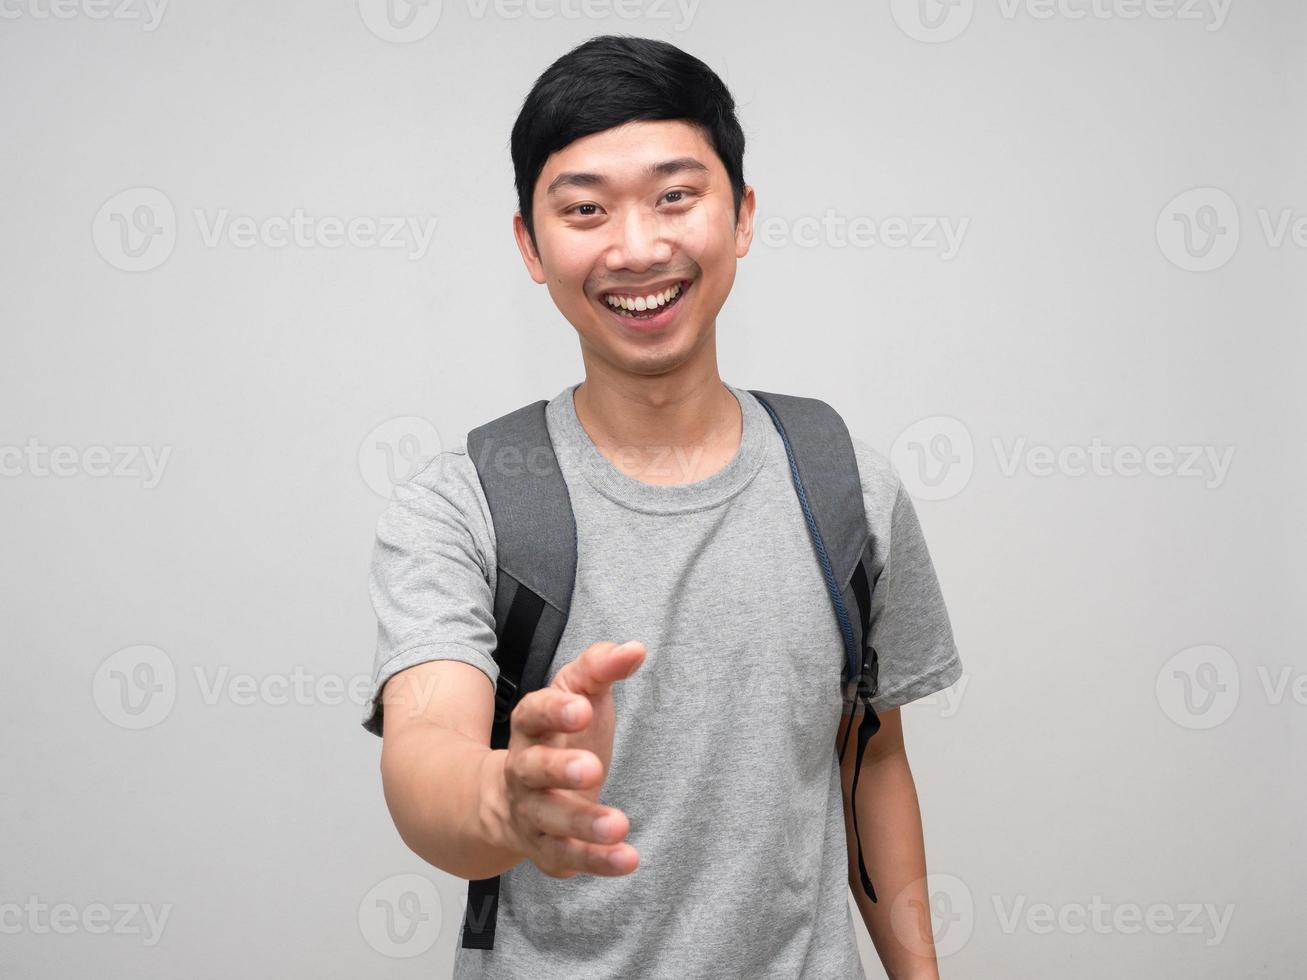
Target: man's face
[[642, 210]]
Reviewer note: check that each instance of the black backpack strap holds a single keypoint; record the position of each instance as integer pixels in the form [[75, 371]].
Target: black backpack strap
[[824, 470], [535, 555]]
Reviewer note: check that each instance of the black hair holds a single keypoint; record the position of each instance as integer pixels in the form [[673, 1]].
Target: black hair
[[614, 79]]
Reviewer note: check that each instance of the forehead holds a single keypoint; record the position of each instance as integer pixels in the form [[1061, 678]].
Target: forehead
[[624, 154]]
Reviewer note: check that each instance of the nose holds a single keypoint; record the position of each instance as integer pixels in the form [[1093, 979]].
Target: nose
[[642, 240]]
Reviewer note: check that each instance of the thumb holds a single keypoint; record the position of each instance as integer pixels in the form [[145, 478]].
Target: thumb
[[599, 666]]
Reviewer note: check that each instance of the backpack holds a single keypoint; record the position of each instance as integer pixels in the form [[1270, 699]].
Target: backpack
[[535, 535]]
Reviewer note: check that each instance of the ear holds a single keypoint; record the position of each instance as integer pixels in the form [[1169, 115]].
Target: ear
[[524, 245], [744, 224]]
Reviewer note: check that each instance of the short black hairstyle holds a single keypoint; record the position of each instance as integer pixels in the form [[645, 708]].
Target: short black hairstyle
[[614, 79]]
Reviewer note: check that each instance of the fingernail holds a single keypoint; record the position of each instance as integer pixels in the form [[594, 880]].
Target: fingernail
[[615, 859], [604, 826], [571, 712], [575, 769]]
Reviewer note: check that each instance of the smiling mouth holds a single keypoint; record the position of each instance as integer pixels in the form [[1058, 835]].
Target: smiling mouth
[[645, 307]]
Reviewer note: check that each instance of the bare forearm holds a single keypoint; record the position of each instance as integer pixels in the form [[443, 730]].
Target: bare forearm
[[445, 794], [893, 851]]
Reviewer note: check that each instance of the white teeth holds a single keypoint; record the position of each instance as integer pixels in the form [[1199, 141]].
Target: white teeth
[[642, 303]]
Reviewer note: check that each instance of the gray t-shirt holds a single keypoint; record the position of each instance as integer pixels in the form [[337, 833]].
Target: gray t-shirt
[[724, 754]]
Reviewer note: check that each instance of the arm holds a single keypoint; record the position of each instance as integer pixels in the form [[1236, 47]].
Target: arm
[[441, 778], [893, 850]]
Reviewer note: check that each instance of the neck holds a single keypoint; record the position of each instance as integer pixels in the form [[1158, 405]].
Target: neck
[[667, 429]]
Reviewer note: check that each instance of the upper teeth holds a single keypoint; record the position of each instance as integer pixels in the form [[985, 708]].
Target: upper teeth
[[644, 302]]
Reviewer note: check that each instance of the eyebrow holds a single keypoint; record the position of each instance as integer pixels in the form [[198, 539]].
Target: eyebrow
[[664, 169]]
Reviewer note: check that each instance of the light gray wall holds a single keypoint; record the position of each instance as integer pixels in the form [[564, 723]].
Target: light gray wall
[[1121, 750]]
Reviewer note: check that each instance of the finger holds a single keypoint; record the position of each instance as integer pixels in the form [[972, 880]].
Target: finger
[[558, 814], [548, 711], [567, 855], [544, 766], [599, 666]]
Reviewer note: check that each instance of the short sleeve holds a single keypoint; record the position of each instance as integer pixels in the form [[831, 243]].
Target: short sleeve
[[910, 628], [432, 577]]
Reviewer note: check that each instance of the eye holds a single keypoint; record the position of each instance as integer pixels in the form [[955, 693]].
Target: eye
[[680, 195], [584, 214]]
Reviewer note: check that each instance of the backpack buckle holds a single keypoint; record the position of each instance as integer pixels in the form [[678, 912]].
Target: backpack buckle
[[506, 691]]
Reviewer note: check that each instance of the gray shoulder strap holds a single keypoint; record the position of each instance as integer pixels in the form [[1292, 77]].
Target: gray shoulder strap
[[535, 538], [824, 470], [535, 555]]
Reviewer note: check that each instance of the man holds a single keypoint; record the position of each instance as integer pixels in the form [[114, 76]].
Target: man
[[723, 846]]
